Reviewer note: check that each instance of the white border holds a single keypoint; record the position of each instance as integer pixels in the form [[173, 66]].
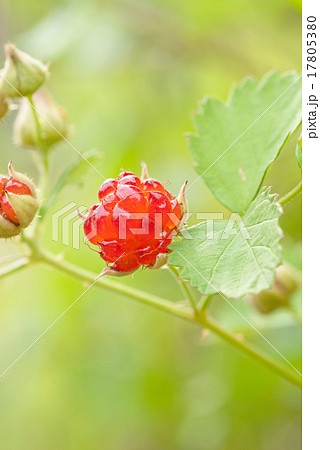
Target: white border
[[311, 248]]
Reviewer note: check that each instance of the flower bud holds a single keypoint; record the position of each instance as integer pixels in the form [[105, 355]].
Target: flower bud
[[285, 284], [53, 121], [3, 106], [18, 203], [22, 74]]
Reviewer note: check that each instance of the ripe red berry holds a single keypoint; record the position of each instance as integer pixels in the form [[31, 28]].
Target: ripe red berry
[[134, 222]]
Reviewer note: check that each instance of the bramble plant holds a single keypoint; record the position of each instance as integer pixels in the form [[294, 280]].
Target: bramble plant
[[138, 224]]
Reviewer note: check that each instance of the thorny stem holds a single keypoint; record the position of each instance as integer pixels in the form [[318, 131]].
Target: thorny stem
[[161, 304], [291, 195], [112, 285], [174, 309], [250, 350]]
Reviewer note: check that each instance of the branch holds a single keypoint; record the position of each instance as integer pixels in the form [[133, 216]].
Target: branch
[[250, 350], [13, 267], [112, 285], [291, 195], [171, 308]]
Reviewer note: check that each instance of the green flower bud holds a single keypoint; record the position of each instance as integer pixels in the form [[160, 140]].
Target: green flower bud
[[22, 74], [286, 282], [53, 121], [4, 106], [18, 203], [52, 118]]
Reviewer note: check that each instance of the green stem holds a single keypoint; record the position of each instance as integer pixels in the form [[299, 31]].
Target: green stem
[[291, 195], [205, 302], [41, 144], [171, 308], [112, 285], [14, 267], [42, 164], [184, 287], [247, 348]]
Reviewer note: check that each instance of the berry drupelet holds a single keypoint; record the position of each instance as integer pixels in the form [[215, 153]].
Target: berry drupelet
[[134, 222]]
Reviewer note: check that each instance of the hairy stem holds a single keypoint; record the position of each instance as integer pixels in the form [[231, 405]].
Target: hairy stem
[[291, 195], [171, 308]]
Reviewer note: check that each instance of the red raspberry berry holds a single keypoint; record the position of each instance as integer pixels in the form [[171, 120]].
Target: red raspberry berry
[[134, 222]]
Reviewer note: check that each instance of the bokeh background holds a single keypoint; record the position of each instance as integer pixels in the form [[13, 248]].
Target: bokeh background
[[113, 374]]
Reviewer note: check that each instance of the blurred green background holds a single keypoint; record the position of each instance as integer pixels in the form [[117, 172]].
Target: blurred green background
[[113, 374]]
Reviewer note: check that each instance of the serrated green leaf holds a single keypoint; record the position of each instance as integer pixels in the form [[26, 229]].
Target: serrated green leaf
[[237, 257], [236, 142], [299, 152]]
